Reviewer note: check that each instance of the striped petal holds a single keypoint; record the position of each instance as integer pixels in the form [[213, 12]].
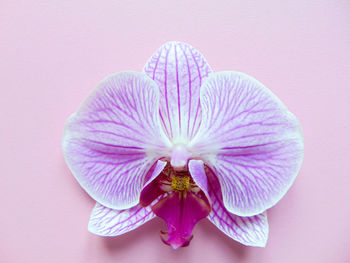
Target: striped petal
[[179, 70], [251, 141], [250, 231], [114, 138], [105, 221]]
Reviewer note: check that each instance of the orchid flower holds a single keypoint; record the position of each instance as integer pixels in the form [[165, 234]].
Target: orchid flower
[[183, 143]]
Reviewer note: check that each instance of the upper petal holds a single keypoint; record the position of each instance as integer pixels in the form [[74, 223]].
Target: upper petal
[[250, 140], [179, 70], [114, 138]]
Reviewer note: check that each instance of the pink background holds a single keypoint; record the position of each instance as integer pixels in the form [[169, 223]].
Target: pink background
[[53, 53]]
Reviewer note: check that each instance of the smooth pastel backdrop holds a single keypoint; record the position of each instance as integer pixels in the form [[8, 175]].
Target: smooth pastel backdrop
[[53, 53]]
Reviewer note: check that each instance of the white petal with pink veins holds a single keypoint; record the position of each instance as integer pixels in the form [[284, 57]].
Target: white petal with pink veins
[[105, 221], [251, 141], [250, 231], [179, 70], [114, 138]]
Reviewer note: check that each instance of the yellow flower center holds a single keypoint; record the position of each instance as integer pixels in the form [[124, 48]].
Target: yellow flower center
[[180, 183]]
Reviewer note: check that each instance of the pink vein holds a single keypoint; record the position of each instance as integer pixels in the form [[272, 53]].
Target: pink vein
[[200, 84], [189, 90], [178, 88], [166, 90], [224, 209]]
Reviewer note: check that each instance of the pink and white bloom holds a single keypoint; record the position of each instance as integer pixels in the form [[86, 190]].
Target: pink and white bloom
[[183, 143]]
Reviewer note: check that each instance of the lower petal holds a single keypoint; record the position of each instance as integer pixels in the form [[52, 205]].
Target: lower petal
[[250, 231], [105, 221], [181, 212]]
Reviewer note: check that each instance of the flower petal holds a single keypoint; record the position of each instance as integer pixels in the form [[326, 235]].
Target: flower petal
[[179, 70], [114, 138], [251, 141], [250, 231], [105, 221]]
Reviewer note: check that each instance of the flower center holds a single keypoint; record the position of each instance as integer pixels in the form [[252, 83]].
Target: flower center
[[180, 183]]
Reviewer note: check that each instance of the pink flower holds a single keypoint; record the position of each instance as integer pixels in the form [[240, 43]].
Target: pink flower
[[183, 143]]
